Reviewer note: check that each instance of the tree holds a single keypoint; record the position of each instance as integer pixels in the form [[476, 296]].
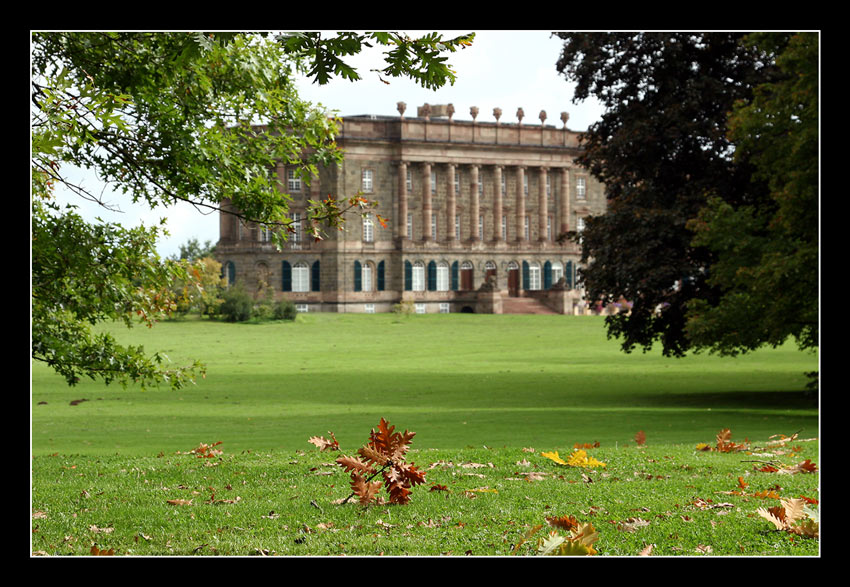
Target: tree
[[170, 117], [767, 254], [665, 154], [193, 249]]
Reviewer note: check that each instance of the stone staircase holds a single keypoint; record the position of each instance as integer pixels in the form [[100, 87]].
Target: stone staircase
[[524, 306]]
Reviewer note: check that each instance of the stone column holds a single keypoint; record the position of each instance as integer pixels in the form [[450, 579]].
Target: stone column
[[401, 224], [474, 207], [497, 202], [426, 201], [451, 203], [565, 199], [542, 205], [520, 203]]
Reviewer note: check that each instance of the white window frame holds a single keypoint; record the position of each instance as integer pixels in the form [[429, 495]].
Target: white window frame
[[457, 226], [418, 281], [295, 235], [302, 308], [293, 181], [581, 188], [557, 271], [504, 227], [410, 225], [534, 281], [366, 277], [301, 277], [442, 276], [481, 227], [369, 308], [433, 182], [409, 181], [419, 308], [434, 225], [367, 180], [526, 228], [445, 308], [368, 229]]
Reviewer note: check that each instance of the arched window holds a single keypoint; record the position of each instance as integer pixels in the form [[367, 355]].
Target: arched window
[[533, 275], [300, 277], [367, 277], [442, 276], [230, 273], [466, 275], [418, 278], [557, 271]]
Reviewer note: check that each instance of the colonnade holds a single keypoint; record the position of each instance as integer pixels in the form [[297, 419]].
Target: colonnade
[[498, 204]]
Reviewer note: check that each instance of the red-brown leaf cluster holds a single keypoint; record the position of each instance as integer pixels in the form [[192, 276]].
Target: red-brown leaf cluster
[[383, 454]]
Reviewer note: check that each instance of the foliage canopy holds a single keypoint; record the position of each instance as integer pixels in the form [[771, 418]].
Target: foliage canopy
[[708, 151], [166, 118]]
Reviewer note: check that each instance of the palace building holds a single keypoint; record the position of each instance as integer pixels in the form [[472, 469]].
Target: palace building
[[474, 212]]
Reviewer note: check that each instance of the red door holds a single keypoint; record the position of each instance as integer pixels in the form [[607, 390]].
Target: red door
[[513, 283]]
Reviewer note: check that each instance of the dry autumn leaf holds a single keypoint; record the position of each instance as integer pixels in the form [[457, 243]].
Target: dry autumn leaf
[[323, 443], [640, 438]]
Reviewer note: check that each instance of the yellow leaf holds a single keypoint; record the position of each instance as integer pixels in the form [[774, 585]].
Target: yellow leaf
[[554, 456]]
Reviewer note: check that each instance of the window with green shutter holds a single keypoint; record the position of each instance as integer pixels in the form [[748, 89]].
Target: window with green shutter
[[358, 277], [526, 275], [381, 276], [547, 275], [408, 276], [455, 276]]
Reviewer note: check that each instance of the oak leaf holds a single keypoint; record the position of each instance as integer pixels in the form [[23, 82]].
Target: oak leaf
[[323, 443]]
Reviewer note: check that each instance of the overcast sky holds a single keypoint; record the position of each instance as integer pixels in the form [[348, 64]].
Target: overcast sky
[[504, 69]]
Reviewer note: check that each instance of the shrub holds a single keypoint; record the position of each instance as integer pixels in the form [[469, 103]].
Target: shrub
[[285, 310], [237, 305]]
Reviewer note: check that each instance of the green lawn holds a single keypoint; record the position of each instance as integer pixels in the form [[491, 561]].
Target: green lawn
[[486, 395], [457, 380]]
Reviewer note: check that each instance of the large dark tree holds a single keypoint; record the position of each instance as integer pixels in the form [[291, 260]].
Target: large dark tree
[[663, 151]]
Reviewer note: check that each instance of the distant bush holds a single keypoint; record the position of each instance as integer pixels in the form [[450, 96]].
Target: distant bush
[[237, 305], [284, 310]]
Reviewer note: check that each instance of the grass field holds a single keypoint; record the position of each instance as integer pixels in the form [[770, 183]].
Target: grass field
[[458, 380], [474, 388]]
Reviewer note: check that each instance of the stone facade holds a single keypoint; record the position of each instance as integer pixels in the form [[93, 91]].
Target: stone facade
[[474, 208]]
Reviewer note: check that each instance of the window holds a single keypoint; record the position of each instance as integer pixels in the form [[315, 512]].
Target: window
[[293, 181], [433, 182], [525, 184], [457, 182], [557, 271], [504, 185], [579, 224], [444, 308], [367, 180], [303, 308], [481, 227], [434, 225], [457, 226], [230, 272], [409, 182], [418, 276], [410, 225], [265, 234], [443, 276], [548, 185], [420, 308], [369, 308], [526, 228], [581, 188], [300, 277], [548, 228], [534, 276], [366, 276], [504, 228], [295, 227], [368, 229]]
